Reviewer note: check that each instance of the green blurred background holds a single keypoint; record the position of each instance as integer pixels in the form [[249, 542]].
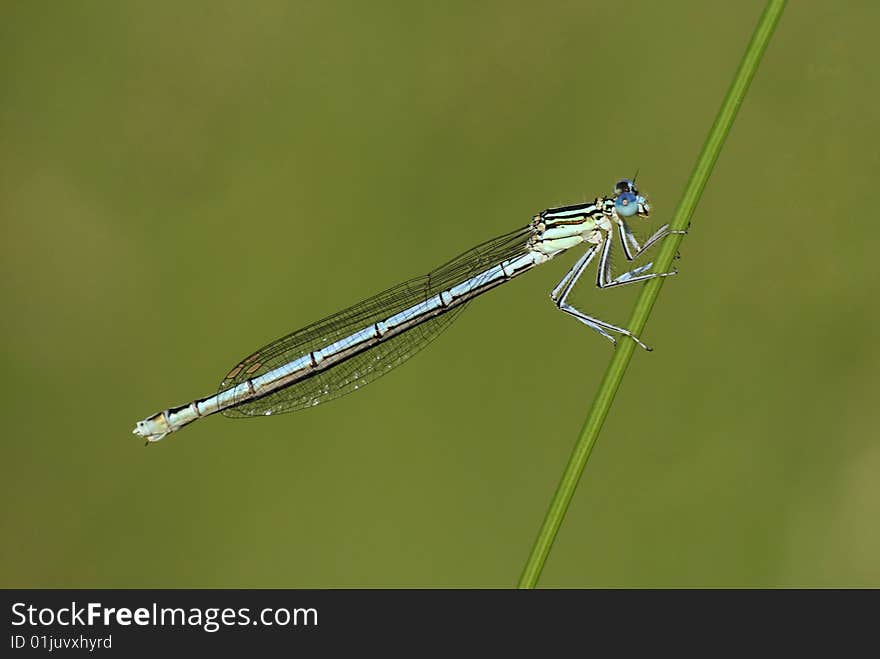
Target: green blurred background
[[184, 182]]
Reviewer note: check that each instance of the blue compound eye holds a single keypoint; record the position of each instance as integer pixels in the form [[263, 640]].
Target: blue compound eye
[[626, 204]]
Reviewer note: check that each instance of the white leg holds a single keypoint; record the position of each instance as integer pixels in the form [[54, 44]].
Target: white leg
[[628, 240], [604, 280], [565, 286], [575, 272]]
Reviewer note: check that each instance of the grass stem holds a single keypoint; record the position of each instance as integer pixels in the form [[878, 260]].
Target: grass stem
[[648, 295]]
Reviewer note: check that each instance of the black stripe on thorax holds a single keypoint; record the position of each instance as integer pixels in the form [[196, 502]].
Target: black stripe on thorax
[[598, 207]]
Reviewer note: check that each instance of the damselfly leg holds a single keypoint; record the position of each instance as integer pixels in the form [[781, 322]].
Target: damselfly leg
[[631, 247], [604, 279], [559, 295], [578, 267]]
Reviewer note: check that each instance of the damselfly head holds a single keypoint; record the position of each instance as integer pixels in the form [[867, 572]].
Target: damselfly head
[[628, 201]]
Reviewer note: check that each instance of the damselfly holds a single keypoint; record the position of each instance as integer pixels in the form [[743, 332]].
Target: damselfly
[[351, 348]]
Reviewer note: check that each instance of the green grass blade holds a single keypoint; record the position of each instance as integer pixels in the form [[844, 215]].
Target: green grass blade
[[650, 291]]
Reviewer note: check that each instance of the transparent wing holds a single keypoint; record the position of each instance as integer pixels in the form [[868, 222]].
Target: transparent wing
[[369, 365]]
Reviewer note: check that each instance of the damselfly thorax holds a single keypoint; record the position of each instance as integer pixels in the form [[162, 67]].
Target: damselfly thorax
[[558, 229]]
